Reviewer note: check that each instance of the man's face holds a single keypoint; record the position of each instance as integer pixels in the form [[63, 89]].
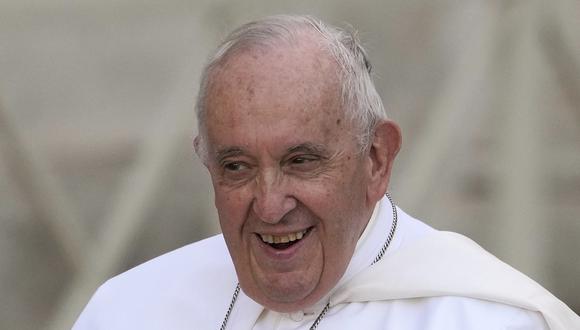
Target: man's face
[[290, 181]]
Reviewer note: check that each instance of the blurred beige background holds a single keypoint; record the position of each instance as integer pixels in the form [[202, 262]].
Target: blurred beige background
[[97, 172]]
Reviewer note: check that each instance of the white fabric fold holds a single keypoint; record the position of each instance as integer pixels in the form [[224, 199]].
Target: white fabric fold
[[449, 264]]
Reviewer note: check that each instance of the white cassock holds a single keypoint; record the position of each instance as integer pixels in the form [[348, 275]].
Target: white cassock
[[427, 280]]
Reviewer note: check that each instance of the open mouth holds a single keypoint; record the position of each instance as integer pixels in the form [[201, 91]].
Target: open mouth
[[284, 241]]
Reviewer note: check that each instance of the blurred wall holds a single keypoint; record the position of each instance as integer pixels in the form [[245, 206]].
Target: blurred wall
[[97, 173]]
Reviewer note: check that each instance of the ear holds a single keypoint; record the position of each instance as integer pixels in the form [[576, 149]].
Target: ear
[[385, 144], [199, 149]]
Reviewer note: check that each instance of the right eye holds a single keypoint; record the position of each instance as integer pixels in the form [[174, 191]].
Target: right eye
[[234, 166], [235, 171]]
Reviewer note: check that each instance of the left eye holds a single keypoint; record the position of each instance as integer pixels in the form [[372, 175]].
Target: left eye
[[300, 160], [304, 163]]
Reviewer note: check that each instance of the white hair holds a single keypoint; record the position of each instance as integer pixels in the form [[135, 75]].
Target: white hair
[[360, 100]]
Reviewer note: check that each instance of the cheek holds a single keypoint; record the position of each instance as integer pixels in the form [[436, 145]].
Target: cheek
[[232, 222], [232, 210], [347, 205]]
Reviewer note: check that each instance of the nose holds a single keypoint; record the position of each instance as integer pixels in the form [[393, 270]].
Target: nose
[[272, 199]]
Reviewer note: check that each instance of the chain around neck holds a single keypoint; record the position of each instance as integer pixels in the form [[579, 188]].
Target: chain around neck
[[327, 306]]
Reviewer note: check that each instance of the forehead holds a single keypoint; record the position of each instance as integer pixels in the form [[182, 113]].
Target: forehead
[[303, 71], [274, 93]]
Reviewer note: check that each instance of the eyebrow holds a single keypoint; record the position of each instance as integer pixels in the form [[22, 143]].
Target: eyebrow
[[303, 147], [309, 148], [229, 152]]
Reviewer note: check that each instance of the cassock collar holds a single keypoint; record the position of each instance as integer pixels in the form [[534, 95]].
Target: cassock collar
[[366, 250]]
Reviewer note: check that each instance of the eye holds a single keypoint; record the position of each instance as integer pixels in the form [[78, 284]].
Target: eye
[[304, 162], [234, 166], [300, 160], [235, 171]]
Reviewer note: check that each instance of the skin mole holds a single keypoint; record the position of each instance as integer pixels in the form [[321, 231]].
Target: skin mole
[[250, 91]]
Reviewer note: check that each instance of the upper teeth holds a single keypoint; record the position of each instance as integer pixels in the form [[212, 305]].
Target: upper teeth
[[283, 239]]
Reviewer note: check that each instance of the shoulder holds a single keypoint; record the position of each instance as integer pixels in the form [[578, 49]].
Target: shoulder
[[170, 289], [433, 265], [454, 312], [434, 313], [195, 260]]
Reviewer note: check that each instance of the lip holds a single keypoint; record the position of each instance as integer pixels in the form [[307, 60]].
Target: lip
[[285, 254]]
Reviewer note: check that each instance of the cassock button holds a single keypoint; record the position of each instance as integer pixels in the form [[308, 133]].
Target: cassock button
[[297, 316]]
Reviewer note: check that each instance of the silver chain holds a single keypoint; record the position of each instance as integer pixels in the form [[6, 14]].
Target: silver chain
[[320, 316], [327, 306], [391, 232], [234, 298]]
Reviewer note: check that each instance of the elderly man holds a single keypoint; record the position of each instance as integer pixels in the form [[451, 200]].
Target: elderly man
[[300, 151]]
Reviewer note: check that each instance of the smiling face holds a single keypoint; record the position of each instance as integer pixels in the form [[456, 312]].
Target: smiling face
[[293, 190]]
